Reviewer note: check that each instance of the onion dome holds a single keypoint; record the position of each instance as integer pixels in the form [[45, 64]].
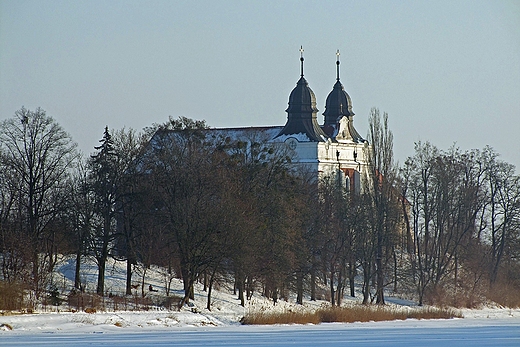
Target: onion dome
[[337, 106], [302, 112]]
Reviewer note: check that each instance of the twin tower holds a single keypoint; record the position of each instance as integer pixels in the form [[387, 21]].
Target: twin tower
[[302, 119]]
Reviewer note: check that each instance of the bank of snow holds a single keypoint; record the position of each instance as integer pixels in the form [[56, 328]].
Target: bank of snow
[[226, 309]]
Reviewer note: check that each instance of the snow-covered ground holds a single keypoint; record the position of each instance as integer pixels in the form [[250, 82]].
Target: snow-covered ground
[[196, 326]]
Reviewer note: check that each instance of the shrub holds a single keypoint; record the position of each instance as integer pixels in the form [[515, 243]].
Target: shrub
[[505, 294], [170, 301], [465, 295], [80, 301], [11, 296]]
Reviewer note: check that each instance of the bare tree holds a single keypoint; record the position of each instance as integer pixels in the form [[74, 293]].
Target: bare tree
[[128, 146], [501, 210], [382, 195], [16, 256], [445, 193], [183, 163], [336, 233], [82, 217], [37, 150]]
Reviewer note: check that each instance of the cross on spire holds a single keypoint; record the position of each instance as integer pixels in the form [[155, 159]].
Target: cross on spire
[[301, 59], [337, 65]]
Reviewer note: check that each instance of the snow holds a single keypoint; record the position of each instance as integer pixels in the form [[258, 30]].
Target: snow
[[301, 137], [196, 326], [459, 332]]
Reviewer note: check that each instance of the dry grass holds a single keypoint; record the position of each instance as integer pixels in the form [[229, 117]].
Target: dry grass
[[358, 313], [287, 317], [434, 313], [506, 295]]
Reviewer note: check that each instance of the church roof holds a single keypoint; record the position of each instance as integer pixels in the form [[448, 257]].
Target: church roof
[[266, 133], [337, 106], [338, 101], [302, 112]]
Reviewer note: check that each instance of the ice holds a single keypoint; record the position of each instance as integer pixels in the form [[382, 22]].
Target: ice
[[196, 326]]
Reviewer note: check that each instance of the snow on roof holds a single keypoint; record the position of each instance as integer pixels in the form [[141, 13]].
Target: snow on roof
[[237, 134], [301, 137]]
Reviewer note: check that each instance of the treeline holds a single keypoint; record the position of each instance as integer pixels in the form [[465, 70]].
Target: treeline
[[210, 208]]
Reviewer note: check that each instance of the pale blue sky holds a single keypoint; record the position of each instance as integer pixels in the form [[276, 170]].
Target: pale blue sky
[[445, 71]]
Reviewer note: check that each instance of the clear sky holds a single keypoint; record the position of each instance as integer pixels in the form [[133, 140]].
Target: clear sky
[[445, 71]]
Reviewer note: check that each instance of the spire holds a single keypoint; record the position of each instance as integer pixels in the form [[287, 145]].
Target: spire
[[301, 113], [338, 112], [301, 59], [337, 65], [338, 103]]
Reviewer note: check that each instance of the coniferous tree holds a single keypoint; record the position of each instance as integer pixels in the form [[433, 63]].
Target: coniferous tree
[[104, 185]]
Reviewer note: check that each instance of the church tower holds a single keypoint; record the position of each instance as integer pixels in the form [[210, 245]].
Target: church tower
[[339, 117], [302, 119]]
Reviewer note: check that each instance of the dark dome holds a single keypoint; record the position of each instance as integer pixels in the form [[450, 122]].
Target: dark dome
[[302, 98], [338, 104], [302, 114]]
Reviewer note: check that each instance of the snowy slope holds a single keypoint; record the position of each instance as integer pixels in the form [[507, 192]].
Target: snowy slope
[[226, 310]]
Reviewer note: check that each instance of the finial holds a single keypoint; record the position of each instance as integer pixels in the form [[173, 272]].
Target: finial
[[337, 65], [301, 59]]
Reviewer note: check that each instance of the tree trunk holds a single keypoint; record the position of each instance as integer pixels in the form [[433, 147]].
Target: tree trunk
[[313, 284], [380, 298], [366, 284], [299, 288], [210, 287], [186, 284], [143, 277], [332, 296], [240, 287], [351, 278], [249, 288], [169, 279], [129, 276], [36, 272], [395, 271], [77, 279], [103, 258], [101, 276], [339, 290]]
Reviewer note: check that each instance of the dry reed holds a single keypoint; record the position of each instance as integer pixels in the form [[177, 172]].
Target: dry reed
[[357, 313]]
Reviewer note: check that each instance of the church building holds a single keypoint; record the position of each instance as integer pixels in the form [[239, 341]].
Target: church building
[[333, 147]]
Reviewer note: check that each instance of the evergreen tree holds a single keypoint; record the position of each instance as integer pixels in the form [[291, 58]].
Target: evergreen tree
[[104, 185]]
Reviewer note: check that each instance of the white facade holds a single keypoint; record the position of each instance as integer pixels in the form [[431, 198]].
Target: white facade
[[332, 147]]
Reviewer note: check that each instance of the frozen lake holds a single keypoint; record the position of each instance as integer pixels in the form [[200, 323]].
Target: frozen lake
[[397, 333]]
